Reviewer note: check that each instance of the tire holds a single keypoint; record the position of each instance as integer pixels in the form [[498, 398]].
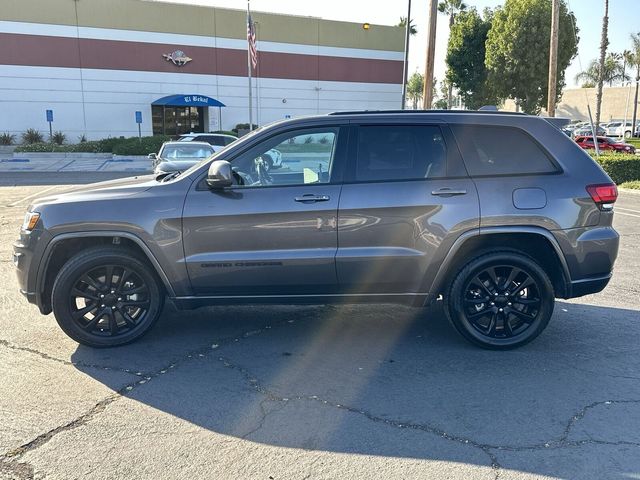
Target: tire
[[106, 296], [495, 311], [627, 134]]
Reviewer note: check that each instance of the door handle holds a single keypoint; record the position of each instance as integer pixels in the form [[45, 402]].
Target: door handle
[[310, 198], [448, 192]]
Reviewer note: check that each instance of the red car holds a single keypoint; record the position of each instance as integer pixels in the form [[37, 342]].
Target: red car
[[605, 143]]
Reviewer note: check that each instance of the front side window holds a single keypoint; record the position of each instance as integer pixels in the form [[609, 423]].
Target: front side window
[[496, 150], [295, 158], [400, 152]]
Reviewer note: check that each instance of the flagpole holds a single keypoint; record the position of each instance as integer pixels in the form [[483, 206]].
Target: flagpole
[[257, 79], [249, 68]]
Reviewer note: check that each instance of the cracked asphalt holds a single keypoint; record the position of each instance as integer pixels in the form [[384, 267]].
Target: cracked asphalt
[[320, 392]]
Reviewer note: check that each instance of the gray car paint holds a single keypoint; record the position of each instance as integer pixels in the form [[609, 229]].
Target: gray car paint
[[378, 241]]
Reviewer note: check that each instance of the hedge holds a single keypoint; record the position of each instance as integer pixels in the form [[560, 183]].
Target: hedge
[[119, 146], [620, 167]]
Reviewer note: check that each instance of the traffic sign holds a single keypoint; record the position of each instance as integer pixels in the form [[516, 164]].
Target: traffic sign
[[49, 115], [138, 117]]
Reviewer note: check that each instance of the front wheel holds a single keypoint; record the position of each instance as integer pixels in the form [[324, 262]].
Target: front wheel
[[500, 300], [105, 297]]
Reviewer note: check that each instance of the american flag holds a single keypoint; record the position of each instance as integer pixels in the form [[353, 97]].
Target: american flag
[[251, 38]]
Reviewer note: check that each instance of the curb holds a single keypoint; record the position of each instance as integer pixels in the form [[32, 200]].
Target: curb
[[629, 190]]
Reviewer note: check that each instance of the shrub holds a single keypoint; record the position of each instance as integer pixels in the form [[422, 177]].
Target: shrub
[[308, 140], [7, 138], [58, 138], [620, 167], [82, 138], [143, 146], [43, 147], [32, 136], [242, 126], [324, 140], [633, 184]]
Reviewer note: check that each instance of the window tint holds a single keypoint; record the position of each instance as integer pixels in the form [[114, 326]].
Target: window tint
[[493, 150], [295, 158], [400, 152]]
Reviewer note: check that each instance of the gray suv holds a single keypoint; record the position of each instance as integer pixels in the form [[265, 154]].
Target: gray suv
[[496, 214]]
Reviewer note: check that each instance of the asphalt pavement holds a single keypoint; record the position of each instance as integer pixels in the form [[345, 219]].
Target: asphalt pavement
[[321, 392]]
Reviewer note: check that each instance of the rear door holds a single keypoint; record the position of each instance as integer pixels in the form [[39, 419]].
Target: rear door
[[405, 199]]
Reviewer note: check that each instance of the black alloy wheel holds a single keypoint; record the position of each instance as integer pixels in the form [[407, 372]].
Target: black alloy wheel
[[106, 296], [500, 300]]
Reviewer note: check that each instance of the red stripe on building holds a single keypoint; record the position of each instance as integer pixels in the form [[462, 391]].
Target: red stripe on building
[[47, 51]]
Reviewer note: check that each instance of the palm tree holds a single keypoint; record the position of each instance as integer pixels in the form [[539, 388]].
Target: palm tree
[[604, 43], [403, 23], [451, 8], [635, 61], [613, 71], [627, 60]]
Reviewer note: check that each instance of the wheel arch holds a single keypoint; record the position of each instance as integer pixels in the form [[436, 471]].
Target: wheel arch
[[535, 242], [69, 244]]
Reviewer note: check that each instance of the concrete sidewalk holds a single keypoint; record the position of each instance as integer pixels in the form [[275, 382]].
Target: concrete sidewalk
[[74, 162]]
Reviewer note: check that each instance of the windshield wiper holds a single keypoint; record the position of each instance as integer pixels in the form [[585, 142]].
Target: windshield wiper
[[170, 176]]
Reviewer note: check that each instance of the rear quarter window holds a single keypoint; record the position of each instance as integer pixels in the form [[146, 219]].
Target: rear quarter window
[[496, 150]]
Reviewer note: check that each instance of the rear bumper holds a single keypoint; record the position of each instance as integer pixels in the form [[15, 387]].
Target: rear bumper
[[588, 286]]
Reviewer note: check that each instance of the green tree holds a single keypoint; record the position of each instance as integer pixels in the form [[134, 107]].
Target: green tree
[[613, 71], [466, 59], [451, 8], [403, 23], [517, 55], [415, 85]]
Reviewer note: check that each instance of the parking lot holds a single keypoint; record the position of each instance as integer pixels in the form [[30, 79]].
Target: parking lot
[[319, 392]]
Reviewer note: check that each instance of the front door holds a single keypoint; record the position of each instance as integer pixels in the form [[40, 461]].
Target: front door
[[406, 197], [274, 233]]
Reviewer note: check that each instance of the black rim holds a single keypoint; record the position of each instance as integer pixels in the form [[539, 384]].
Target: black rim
[[501, 301], [109, 300]]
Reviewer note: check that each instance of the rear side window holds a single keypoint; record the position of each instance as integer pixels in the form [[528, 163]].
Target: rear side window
[[400, 152], [495, 150]]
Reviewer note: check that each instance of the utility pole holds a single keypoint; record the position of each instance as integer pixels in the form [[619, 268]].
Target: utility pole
[[405, 71], [553, 59], [427, 94]]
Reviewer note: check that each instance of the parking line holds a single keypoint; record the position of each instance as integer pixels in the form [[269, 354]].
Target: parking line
[[627, 214], [28, 197], [627, 209]]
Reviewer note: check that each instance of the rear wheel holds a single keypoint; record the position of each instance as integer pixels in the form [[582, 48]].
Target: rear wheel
[[500, 300], [104, 297]]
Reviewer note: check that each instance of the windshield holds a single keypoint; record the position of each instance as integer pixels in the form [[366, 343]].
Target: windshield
[[186, 152]]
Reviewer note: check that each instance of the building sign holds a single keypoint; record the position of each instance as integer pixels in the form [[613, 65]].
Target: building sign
[[177, 57]]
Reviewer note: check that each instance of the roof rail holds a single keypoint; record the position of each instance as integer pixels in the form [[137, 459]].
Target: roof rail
[[383, 112]]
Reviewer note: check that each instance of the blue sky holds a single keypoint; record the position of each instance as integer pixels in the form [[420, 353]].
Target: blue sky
[[624, 19]]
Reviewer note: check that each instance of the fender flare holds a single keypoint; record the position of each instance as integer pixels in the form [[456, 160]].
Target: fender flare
[[443, 270], [46, 257]]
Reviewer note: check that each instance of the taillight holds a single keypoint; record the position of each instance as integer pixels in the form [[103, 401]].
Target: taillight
[[603, 194]]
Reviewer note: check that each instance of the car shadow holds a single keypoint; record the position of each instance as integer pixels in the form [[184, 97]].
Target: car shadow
[[392, 381]]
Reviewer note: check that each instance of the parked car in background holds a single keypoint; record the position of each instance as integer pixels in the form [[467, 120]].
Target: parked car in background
[[586, 130], [217, 140], [604, 144], [615, 129], [493, 214], [179, 156]]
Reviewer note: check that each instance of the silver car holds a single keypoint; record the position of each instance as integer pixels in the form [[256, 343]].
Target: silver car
[[179, 156]]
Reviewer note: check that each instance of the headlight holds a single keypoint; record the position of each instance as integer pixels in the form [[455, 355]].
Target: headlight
[[30, 220]]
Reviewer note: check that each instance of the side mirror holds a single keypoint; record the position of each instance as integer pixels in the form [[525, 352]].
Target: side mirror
[[220, 175], [152, 156]]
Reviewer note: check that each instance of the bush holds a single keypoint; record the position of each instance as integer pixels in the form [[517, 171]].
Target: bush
[[242, 126], [143, 146], [32, 136], [44, 147], [82, 138], [58, 138], [7, 138], [634, 184], [620, 167]]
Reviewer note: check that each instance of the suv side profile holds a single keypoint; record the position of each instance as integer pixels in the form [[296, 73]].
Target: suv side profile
[[497, 214]]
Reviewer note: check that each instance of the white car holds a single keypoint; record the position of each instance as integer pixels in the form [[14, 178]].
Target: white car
[[217, 140], [614, 129]]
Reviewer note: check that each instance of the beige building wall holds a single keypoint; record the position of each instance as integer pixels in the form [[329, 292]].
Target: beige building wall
[[616, 102]]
